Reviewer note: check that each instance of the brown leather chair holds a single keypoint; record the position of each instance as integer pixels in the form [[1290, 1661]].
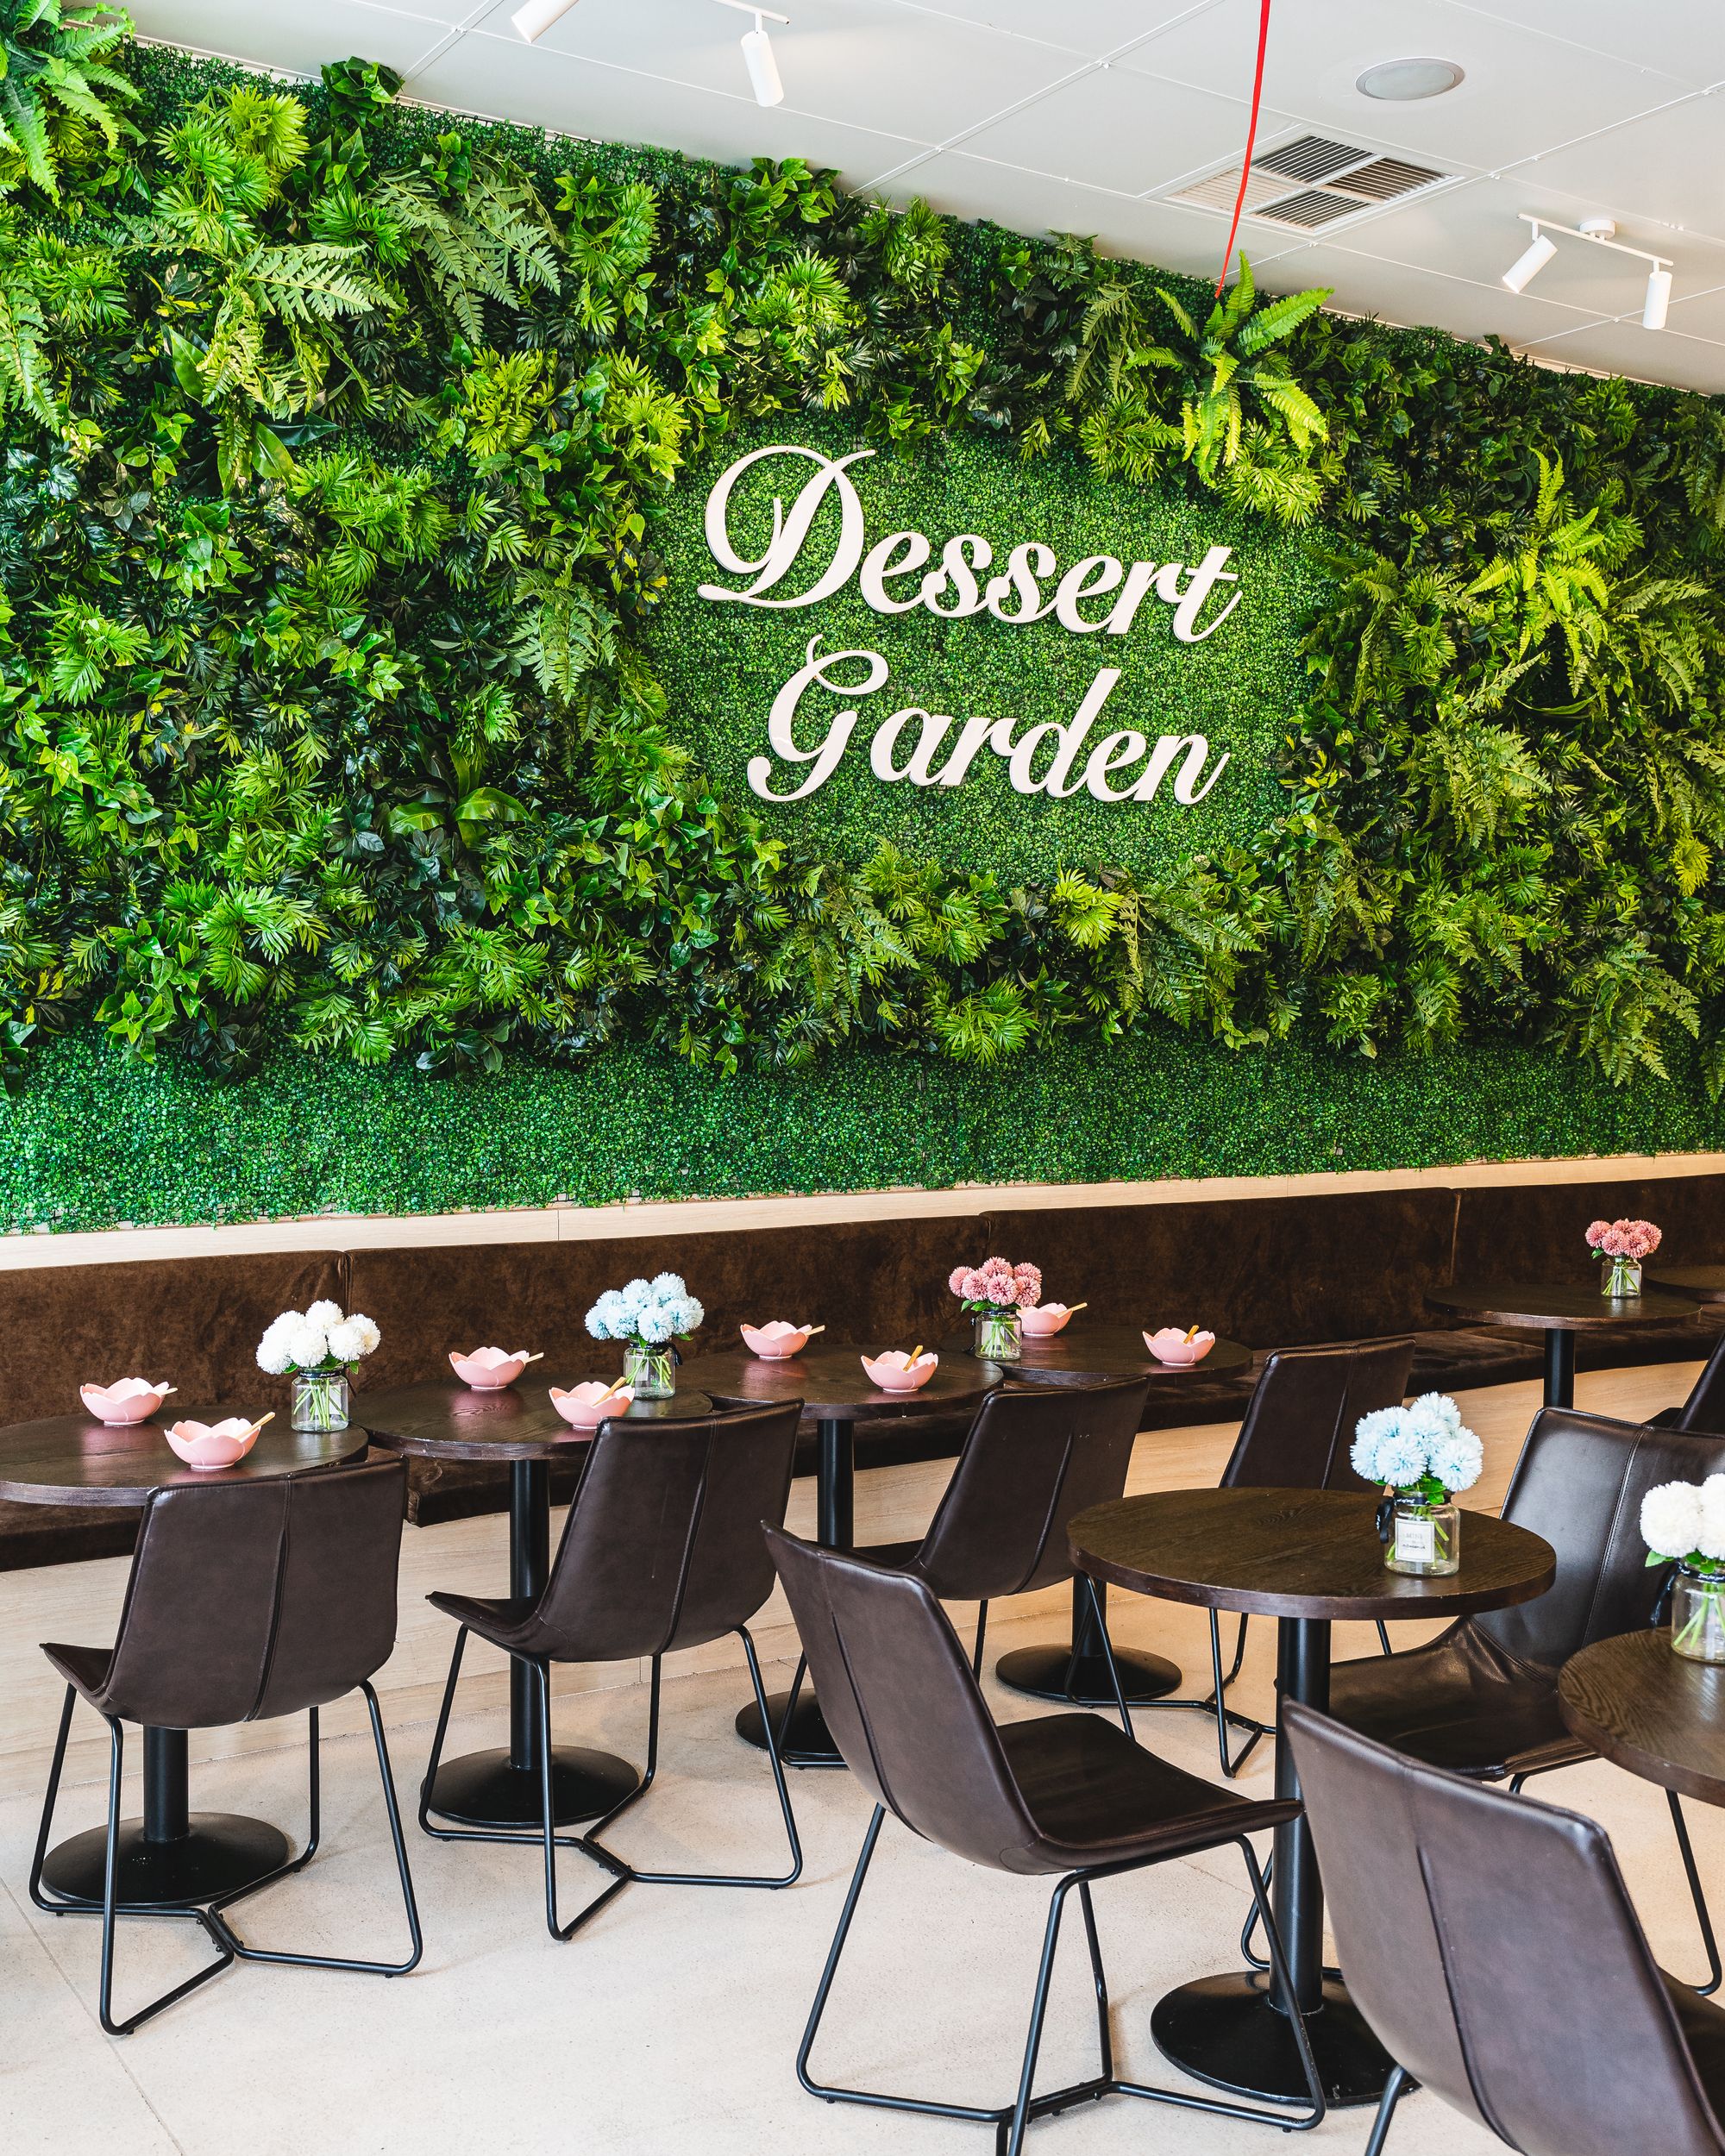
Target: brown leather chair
[[1034, 1459], [661, 1550], [1066, 1797], [1297, 1434], [1481, 1700], [1492, 1947], [247, 1601], [1704, 1409]]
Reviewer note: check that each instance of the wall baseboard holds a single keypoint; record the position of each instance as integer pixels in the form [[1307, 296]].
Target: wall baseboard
[[692, 1216]]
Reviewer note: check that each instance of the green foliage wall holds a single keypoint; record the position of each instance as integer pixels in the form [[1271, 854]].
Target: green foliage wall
[[344, 713], [1240, 688]]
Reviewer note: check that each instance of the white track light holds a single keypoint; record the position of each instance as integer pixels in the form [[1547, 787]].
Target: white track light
[[537, 16], [1658, 299], [1526, 267], [763, 69]]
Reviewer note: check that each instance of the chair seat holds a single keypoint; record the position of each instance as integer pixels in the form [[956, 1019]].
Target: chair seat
[[83, 1668], [1702, 2023], [896, 1556], [1096, 1797], [1459, 1704], [500, 1619]]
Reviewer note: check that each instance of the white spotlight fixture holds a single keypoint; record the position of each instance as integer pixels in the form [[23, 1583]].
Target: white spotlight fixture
[[757, 53], [537, 16], [1597, 232], [1526, 267], [1407, 81]]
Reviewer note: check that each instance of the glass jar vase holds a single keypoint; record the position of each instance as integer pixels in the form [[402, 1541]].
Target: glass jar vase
[[1622, 1276], [1424, 1537], [998, 1336], [651, 1373], [1698, 1614], [321, 1401]]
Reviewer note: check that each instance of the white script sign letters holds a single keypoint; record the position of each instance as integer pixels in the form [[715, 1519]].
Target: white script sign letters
[[1096, 596]]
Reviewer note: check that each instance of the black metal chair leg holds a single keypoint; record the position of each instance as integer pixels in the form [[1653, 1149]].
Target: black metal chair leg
[[589, 1841], [1038, 2014], [429, 1780], [1383, 1637], [111, 1890], [217, 1911], [1394, 2090], [1101, 1625], [53, 1908], [564, 1933], [1715, 1974], [1105, 2039], [1231, 1764], [982, 1629]]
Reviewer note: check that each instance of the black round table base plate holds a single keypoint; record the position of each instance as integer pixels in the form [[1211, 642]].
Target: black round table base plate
[[222, 1853], [1041, 1671], [808, 1745], [1227, 2030], [484, 1790]]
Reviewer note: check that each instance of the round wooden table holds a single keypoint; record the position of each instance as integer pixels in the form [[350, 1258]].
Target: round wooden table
[[500, 1788], [1082, 1354], [1649, 1711], [837, 1395], [1705, 1282], [1559, 1313], [1309, 1558], [172, 1855]]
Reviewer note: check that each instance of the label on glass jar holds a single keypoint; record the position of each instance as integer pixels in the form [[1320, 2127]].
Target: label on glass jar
[[1416, 1541]]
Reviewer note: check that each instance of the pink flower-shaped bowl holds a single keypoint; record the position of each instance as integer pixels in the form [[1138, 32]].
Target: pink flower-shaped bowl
[[894, 1372], [488, 1369], [1042, 1321], [775, 1342], [207, 1444], [133, 1399], [1171, 1346], [588, 1405]]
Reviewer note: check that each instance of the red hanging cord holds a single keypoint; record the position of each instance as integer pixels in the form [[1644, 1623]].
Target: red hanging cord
[[1250, 138]]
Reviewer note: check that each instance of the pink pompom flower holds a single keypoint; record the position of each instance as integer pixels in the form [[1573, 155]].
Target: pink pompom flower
[[956, 1279], [1634, 1239], [996, 1284], [1596, 1235]]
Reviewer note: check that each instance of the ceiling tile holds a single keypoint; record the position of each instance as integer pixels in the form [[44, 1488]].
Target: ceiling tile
[[1414, 298], [576, 97], [971, 187], [864, 63], [299, 35], [1669, 166], [1523, 93], [1686, 38], [1113, 128], [1090, 26], [1624, 348]]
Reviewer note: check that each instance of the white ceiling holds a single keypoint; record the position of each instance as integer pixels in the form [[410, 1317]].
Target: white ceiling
[[1078, 114]]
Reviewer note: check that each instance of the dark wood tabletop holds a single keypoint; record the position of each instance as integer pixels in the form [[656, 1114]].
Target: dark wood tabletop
[[1650, 1711], [451, 1422], [1297, 1553], [1551, 1307], [1089, 1354], [1705, 1282], [833, 1386], [74, 1460]]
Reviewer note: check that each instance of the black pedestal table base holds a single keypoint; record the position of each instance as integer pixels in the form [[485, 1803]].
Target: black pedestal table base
[[1229, 2032], [1559, 1369], [219, 1853], [1078, 1675], [808, 1743], [487, 1790]]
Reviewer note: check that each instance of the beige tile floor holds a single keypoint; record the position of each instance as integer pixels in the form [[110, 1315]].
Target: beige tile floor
[[672, 2024]]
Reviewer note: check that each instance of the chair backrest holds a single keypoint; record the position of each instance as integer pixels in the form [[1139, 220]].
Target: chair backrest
[[1704, 1409], [663, 1548], [1579, 1483], [1490, 1942], [251, 1599], [1033, 1460], [898, 1699], [1300, 1420]]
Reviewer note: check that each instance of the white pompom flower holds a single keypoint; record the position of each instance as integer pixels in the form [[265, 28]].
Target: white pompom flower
[[1457, 1458], [1369, 1433], [685, 1313], [272, 1355], [668, 1287], [1709, 1538], [636, 1296], [653, 1324], [347, 1341], [307, 1345], [325, 1314], [1672, 1518], [369, 1337]]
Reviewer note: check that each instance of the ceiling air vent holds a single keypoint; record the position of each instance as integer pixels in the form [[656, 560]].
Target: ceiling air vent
[[1312, 181]]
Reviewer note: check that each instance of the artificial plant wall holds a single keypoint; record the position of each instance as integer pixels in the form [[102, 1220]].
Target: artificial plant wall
[[338, 439]]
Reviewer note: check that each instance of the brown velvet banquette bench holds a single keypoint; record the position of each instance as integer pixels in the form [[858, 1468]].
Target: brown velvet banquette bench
[[1274, 1272]]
